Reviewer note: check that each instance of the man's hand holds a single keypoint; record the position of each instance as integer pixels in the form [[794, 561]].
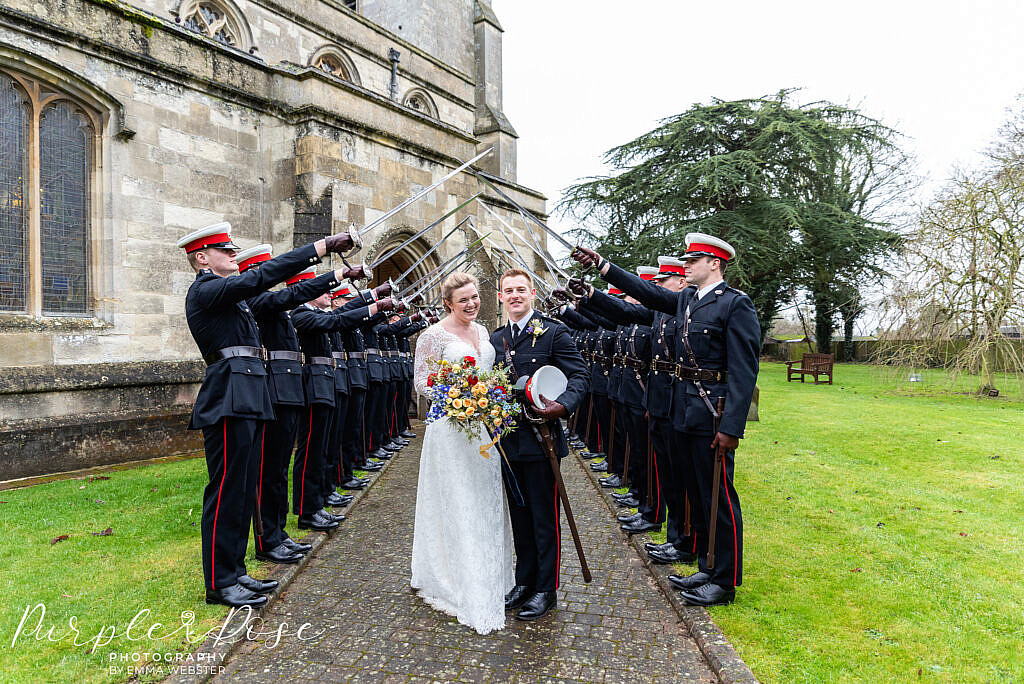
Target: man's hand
[[342, 242], [724, 443], [432, 320], [416, 298], [552, 409], [563, 294], [586, 257], [385, 304], [382, 290], [580, 288], [416, 317], [401, 306], [355, 272]]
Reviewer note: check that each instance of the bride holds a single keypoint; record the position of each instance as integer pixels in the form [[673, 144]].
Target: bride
[[462, 544]]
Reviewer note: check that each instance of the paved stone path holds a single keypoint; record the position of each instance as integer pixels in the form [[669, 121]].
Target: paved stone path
[[619, 628]]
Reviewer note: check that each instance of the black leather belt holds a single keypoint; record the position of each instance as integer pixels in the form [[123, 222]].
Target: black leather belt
[[700, 374], [603, 360], [357, 355], [320, 361], [343, 356], [285, 354], [372, 351], [231, 352], [617, 360]]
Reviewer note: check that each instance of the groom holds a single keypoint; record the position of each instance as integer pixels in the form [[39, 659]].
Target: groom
[[528, 342]]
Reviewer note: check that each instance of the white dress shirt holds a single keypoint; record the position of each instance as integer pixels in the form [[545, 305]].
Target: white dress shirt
[[708, 288], [517, 328]]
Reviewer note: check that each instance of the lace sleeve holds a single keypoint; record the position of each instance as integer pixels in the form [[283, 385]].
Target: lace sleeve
[[429, 345]]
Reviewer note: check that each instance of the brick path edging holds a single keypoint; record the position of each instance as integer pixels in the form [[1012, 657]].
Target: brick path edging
[[725, 662], [212, 652]]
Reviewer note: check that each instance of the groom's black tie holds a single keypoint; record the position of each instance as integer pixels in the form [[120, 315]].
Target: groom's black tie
[[515, 332]]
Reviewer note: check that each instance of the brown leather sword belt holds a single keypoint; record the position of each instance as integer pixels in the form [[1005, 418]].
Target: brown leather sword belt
[[666, 366], [320, 361], [618, 361], [231, 352], [285, 354], [357, 355], [634, 363], [603, 360], [700, 374], [341, 356]]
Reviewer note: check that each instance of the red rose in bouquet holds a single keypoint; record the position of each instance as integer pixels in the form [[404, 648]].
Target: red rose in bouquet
[[472, 380], [431, 379], [468, 361]]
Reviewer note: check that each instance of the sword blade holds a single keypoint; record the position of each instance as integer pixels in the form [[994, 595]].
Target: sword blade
[[430, 251], [395, 251], [526, 213], [529, 243], [445, 272], [424, 192]]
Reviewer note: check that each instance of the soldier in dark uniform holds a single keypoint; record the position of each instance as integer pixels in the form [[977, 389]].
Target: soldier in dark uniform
[[719, 342], [352, 444], [313, 325], [284, 361], [528, 342], [234, 400]]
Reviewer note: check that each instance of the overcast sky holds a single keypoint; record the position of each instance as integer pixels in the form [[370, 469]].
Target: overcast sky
[[583, 76]]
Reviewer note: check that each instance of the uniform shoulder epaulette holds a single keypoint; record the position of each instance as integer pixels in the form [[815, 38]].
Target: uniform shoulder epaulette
[[737, 291]]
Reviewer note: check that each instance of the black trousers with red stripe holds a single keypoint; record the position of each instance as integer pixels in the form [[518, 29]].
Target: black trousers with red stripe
[[310, 456], [334, 467], [353, 446], [698, 469], [375, 415], [599, 423], [637, 433], [671, 485], [232, 452], [536, 532], [277, 442]]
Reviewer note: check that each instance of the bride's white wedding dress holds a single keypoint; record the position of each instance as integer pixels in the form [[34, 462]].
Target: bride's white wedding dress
[[462, 544]]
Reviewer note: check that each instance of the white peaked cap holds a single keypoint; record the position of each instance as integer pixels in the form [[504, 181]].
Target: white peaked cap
[[258, 250], [702, 244], [217, 235], [670, 266], [646, 270]]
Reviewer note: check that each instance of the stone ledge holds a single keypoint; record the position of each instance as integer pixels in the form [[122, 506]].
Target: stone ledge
[[61, 378]]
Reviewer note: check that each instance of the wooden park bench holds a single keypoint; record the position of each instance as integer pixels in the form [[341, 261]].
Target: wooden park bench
[[811, 364]]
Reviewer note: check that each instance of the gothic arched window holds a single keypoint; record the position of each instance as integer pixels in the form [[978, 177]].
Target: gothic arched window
[[418, 99], [217, 19], [47, 145], [332, 60]]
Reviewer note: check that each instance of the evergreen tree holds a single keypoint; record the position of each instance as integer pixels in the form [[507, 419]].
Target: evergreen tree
[[797, 189]]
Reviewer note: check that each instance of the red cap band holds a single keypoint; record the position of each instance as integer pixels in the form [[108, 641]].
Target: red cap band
[[299, 276], [646, 276], [217, 239], [673, 269], [701, 247], [253, 260], [614, 290], [343, 292]]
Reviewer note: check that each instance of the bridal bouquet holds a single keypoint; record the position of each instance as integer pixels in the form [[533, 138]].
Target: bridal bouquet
[[471, 398]]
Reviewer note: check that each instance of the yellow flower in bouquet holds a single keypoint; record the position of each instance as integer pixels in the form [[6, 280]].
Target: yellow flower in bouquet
[[482, 402], [457, 403], [470, 410], [453, 392], [461, 415]]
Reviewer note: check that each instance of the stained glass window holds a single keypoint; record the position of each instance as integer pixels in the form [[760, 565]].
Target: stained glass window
[[65, 138], [13, 193], [210, 20]]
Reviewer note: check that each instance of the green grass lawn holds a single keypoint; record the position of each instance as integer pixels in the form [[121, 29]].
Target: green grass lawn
[[150, 560], [883, 532]]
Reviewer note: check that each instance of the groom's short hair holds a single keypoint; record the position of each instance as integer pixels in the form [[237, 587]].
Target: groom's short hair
[[512, 273]]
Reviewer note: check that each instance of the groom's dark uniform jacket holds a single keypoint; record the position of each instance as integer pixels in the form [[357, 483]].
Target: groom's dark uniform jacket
[[535, 526]]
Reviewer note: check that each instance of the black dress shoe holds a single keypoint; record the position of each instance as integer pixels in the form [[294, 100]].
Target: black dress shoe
[[336, 499], [353, 483], [537, 606], [596, 454], [518, 596], [599, 467], [391, 446], [297, 547], [638, 526], [697, 579], [709, 594], [627, 503], [381, 456], [373, 467], [674, 555], [235, 596], [628, 517], [257, 586], [324, 513], [651, 546], [316, 522], [408, 434], [611, 482], [377, 453], [279, 554]]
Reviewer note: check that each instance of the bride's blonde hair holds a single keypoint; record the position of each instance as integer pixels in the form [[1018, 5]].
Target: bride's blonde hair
[[452, 283]]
